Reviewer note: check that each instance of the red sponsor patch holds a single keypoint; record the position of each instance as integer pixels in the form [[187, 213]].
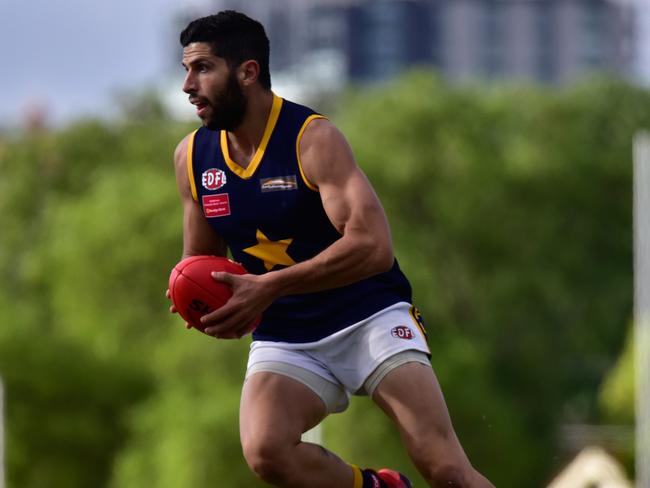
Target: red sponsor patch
[[213, 178], [216, 205], [402, 332]]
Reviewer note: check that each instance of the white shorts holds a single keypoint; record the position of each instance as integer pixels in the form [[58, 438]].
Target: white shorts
[[351, 361]]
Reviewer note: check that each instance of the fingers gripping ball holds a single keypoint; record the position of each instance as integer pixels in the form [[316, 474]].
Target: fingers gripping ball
[[195, 293]]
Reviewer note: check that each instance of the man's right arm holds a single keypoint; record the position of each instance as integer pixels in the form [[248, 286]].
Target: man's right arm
[[198, 237]]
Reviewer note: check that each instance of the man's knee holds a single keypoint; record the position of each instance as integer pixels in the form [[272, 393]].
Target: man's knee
[[445, 466], [449, 475], [269, 459]]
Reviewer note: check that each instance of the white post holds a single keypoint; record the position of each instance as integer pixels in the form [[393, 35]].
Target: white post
[[642, 304]]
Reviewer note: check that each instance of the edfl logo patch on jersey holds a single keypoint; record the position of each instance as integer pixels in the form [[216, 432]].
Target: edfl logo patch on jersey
[[213, 178]]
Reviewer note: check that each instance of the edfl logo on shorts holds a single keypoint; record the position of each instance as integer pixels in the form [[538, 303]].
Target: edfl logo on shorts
[[402, 332]]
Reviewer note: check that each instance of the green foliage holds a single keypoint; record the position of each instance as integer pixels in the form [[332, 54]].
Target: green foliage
[[617, 399], [117, 271], [77, 210], [511, 215], [617, 396], [64, 410]]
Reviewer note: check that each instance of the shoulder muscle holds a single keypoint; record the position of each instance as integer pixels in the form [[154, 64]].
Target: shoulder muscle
[[324, 152]]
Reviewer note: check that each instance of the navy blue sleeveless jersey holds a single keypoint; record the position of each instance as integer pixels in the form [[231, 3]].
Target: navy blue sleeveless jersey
[[271, 216]]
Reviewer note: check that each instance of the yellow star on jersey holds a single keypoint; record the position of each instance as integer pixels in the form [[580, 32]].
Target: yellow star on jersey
[[271, 252]]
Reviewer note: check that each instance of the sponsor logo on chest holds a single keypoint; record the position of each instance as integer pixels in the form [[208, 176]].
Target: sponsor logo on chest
[[216, 205], [213, 178], [279, 183]]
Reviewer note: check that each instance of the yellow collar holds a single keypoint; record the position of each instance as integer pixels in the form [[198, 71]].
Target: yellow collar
[[247, 172]]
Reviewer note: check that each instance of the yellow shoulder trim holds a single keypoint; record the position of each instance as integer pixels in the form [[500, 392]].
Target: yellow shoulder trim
[[309, 184], [190, 165], [247, 172]]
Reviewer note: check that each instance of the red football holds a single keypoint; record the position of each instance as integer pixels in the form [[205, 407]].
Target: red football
[[196, 293]]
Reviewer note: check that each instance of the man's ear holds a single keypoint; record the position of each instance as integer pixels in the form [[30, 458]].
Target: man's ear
[[248, 72]]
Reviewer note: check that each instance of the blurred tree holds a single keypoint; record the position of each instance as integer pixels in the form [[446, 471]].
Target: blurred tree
[[64, 411], [617, 400], [617, 396], [65, 353], [142, 106]]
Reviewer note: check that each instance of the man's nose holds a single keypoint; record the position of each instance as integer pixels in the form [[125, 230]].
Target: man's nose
[[189, 84]]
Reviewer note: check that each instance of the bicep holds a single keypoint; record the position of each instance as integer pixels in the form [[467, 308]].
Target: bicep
[[351, 204], [348, 197]]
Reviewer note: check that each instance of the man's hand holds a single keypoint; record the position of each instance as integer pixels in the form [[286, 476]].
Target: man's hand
[[251, 296], [172, 307]]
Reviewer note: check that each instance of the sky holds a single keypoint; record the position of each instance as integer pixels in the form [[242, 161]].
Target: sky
[[72, 56], [643, 30]]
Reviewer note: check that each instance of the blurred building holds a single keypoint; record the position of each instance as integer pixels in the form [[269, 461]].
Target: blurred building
[[321, 45], [551, 41]]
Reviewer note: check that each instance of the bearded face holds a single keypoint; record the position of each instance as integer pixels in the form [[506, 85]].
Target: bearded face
[[213, 88], [228, 106]]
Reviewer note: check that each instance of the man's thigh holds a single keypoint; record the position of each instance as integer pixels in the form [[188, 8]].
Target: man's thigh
[[276, 409], [300, 365], [411, 396]]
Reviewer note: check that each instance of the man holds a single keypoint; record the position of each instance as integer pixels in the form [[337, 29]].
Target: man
[[277, 184]]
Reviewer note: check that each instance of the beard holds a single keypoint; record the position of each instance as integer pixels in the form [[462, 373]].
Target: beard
[[229, 108]]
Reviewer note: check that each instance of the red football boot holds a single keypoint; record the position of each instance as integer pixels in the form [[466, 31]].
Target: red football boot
[[393, 479]]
